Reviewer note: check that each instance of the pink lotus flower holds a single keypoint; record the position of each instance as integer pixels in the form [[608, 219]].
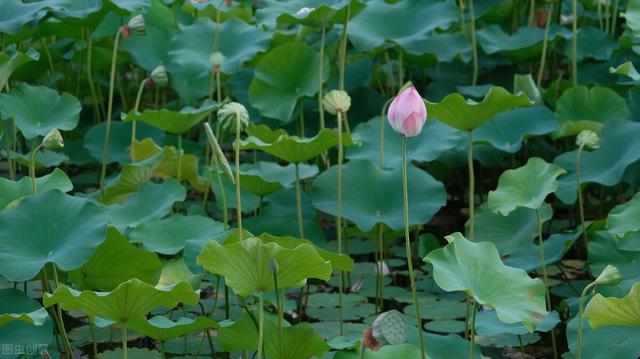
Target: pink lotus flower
[[407, 113]]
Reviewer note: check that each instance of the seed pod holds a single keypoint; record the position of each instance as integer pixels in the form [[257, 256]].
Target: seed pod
[[389, 328]]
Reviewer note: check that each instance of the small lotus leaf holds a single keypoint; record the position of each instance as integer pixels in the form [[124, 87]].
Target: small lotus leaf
[[12, 297], [163, 329]]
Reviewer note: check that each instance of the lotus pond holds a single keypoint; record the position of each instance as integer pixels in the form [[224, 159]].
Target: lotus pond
[[319, 179]]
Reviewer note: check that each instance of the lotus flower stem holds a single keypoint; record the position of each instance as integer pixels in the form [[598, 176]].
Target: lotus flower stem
[[580, 198], [400, 72], [299, 202], [384, 110], [107, 130], [472, 181], [94, 97], [473, 329], [32, 169], [3, 129], [380, 276], [601, 26], [407, 245], [124, 341], [545, 44], [343, 47], [532, 11], [280, 307], [94, 343], [574, 43], [616, 8], [57, 311], [474, 45], [179, 174], [606, 16], [462, 21], [321, 76], [260, 326], [238, 199], [339, 222], [546, 279], [580, 314], [135, 111]]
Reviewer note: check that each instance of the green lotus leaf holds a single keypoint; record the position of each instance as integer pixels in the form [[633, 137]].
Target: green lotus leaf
[[265, 177], [338, 261], [130, 6], [507, 130], [366, 137], [151, 202], [14, 296], [245, 265], [193, 248], [163, 329], [525, 43], [372, 195], [292, 149], [612, 311], [152, 49], [175, 271], [466, 115], [381, 22], [44, 159], [625, 218], [167, 162], [405, 350], [11, 59], [589, 108], [119, 140], [632, 16], [556, 246], [13, 191], [239, 42], [176, 122], [476, 269], [299, 341], [321, 12], [593, 43], [78, 10], [281, 78], [116, 261], [438, 48], [35, 233], [604, 250], [488, 324], [526, 186], [168, 236], [248, 200], [619, 148], [125, 184], [596, 343], [15, 14], [626, 69], [130, 301], [26, 105]]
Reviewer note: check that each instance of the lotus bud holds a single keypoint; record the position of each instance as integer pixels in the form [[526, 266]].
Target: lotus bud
[[231, 114], [407, 113], [274, 268], [609, 276], [53, 140], [588, 139], [389, 328], [159, 77], [336, 101], [135, 26], [217, 58], [304, 11], [217, 151]]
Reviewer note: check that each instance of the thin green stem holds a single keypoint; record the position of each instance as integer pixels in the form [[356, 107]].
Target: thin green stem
[[94, 342], [574, 43], [380, 296], [474, 45], [7, 144], [179, 161], [339, 221], [545, 44], [299, 203], [407, 245], [238, 199], [133, 124], [532, 11], [60, 319], [616, 9], [382, 117], [580, 198], [473, 330], [545, 279], [280, 304], [472, 181], [92, 88], [343, 47], [32, 169], [580, 314], [462, 21], [124, 341], [260, 326], [400, 69], [321, 76], [107, 130]]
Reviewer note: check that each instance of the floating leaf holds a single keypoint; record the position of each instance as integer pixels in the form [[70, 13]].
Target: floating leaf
[[36, 233], [245, 265], [175, 122], [526, 186], [589, 108], [373, 195], [476, 269], [26, 105], [612, 311]]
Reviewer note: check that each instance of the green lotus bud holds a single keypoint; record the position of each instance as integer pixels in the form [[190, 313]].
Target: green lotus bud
[[217, 58], [609, 276], [274, 268], [336, 101], [231, 114], [53, 140], [135, 26], [389, 328], [588, 139], [217, 151], [159, 76]]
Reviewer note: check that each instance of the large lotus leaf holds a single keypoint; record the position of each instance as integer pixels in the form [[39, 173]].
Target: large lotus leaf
[[14, 14], [168, 236], [119, 140], [507, 130], [239, 42], [175, 122], [476, 269], [151, 202], [245, 265], [125, 184], [526, 186], [632, 16], [589, 108], [556, 246], [524, 43], [592, 43], [625, 218], [612, 311], [299, 341], [131, 300], [152, 49], [605, 342], [130, 6], [372, 195], [49, 228], [12, 191], [338, 261], [282, 77], [23, 334], [10, 60], [381, 22], [604, 250], [467, 115], [366, 137], [29, 104], [116, 261], [264, 177], [619, 147], [511, 232], [77, 9], [321, 12], [13, 297], [292, 149], [162, 328]]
